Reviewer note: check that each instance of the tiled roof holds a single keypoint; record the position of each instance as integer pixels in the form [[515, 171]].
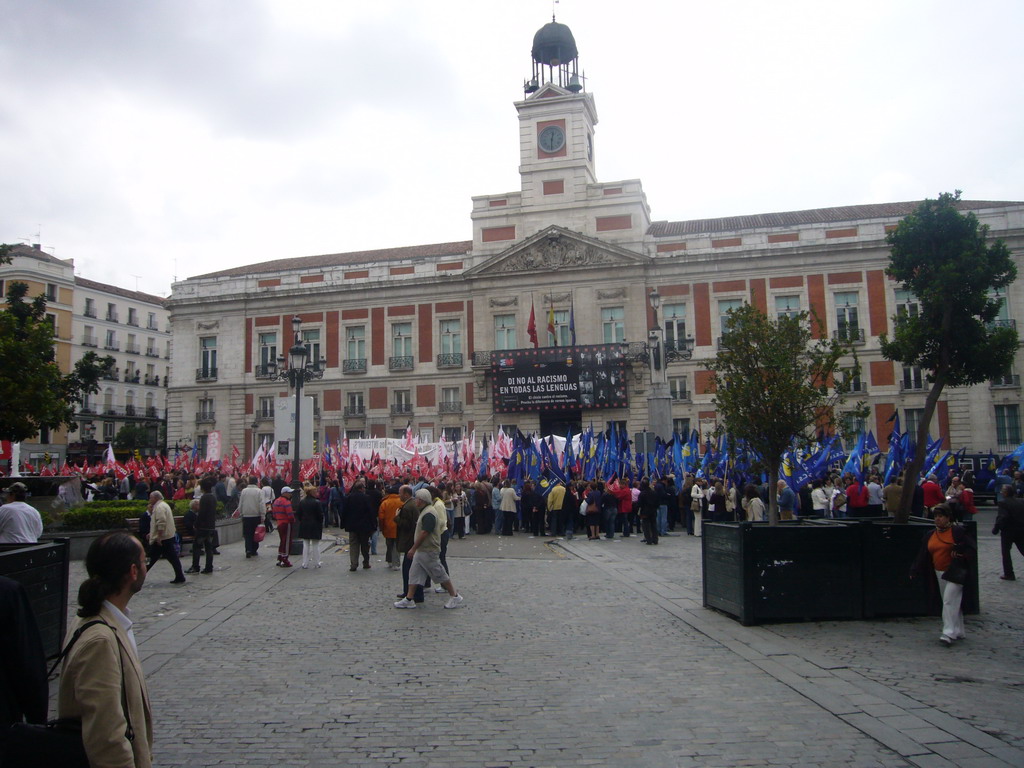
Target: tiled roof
[[408, 253], [36, 253], [148, 298], [796, 218]]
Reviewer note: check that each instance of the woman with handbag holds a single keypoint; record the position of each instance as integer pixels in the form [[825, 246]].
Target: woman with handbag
[[947, 550]]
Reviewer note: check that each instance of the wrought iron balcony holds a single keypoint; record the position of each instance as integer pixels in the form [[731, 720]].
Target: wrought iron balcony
[[205, 417], [112, 345], [132, 378], [265, 414], [132, 321], [152, 381], [449, 406], [111, 317], [1003, 324], [265, 371], [90, 409], [111, 374], [355, 411], [850, 335], [678, 349], [682, 396], [152, 352], [912, 386], [89, 312], [449, 360], [206, 374], [131, 349], [89, 341], [481, 359], [400, 363], [354, 365], [401, 409], [1009, 381]]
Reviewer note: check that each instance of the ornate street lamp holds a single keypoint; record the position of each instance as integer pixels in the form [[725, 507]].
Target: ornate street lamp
[[299, 371]]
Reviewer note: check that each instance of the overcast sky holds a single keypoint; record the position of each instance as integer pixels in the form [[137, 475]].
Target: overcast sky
[[165, 138]]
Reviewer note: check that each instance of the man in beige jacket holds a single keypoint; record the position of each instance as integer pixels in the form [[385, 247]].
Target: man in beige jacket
[[101, 682], [162, 536]]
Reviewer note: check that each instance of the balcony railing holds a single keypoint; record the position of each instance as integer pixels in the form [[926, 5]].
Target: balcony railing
[[91, 409], [153, 327], [400, 363], [264, 371], [131, 349], [111, 375], [1003, 324], [152, 381], [355, 411], [1010, 381], [126, 411], [720, 343], [89, 312], [111, 317], [132, 321], [354, 365], [205, 417], [89, 341], [401, 409], [680, 397], [849, 335], [206, 374], [858, 388], [449, 360], [481, 359], [263, 415], [132, 378], [912, 386], [449, 406], [152, 412], [150, 352], [113, 346]]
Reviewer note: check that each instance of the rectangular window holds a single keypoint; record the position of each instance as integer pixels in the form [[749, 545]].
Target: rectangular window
[[452, 434], [111, 340], [151, 321], [851, 427], [355, 434], [681, 427], [912, 420], [311, 341], [675, 323], [450, 395], [398, 434], [677, 388], [451, 337], [355, 402], [206, 407], [1008, 427], [403, 399], [725, 306], [906, 304], [52, 320], [563, 337], [130, 346], [268, 349], [504, 331], [112, 312], [108, 431], [51, 295], [913, 378], [90, 308], [266, 408], [847, 319], [133, 316], [151, 348], [787, 306], [613, 324], [208, 355], [355, 340], [401, 339], [201, 446]]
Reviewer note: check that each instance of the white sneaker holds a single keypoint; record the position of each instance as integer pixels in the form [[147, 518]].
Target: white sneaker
[[453, 602], [438, 590], [405, 602]]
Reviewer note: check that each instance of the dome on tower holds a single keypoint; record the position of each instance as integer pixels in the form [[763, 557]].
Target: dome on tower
[[554, 45]]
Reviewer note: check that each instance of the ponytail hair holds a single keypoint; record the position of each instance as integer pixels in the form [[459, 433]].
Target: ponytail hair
[[109, 560]]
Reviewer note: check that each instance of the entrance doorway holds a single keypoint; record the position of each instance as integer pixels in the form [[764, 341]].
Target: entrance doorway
[[560, 422]]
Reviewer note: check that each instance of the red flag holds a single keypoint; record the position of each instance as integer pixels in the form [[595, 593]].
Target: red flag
[[531, 328]]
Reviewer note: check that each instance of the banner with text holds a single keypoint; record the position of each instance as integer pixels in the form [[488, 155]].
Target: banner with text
[[559, 378]]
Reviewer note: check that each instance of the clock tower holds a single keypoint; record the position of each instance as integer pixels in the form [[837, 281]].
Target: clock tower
[[557, 170]]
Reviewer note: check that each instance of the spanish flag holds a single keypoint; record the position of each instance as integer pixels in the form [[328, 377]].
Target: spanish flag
[[551, 326]]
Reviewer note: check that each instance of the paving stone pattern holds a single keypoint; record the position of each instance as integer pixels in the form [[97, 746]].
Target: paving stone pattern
[[565, 654]]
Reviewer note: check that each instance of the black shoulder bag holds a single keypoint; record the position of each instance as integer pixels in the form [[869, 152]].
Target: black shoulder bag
[[58, 742]]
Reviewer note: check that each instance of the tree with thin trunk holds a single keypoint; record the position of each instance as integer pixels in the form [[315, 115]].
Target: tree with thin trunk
[[775, 386], [941, 257]]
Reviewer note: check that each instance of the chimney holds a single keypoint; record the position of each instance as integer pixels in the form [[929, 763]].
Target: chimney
[[37, 247]]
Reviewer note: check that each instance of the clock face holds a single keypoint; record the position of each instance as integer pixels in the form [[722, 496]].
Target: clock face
[[551, 139]]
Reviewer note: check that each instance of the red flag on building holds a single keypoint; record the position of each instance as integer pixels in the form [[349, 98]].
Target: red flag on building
[[531, 328]]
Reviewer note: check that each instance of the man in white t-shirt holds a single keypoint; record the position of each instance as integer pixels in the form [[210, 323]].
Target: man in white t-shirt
[[19, 522]]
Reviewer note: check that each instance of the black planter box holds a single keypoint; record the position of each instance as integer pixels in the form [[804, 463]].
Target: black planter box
[[43, 570], [821, 569], [791, 571]]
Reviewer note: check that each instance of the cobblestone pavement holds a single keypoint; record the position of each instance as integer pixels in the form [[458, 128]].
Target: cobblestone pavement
[[566, 654]]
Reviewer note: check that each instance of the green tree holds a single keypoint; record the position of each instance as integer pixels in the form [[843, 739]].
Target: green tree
[[131, 437], [33, 391], [941, 256], [774, 386]]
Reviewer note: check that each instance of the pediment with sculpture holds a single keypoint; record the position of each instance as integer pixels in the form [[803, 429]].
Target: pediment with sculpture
[[556, 248]]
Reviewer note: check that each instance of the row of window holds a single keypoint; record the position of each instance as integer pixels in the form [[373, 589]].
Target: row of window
[[112, 315], [112, 343]]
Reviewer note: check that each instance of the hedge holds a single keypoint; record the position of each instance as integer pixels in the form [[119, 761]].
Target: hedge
[[103, 515]]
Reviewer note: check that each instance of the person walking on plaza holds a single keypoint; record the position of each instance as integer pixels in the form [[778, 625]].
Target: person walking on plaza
[[284, 519], [426, 555], [405, 534], [386, 513], [20, 523], [101, 681], [310, 515], [251, 509], [163, 536], [947, 551], [206, 527], [360, 522], [1010, 527]]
